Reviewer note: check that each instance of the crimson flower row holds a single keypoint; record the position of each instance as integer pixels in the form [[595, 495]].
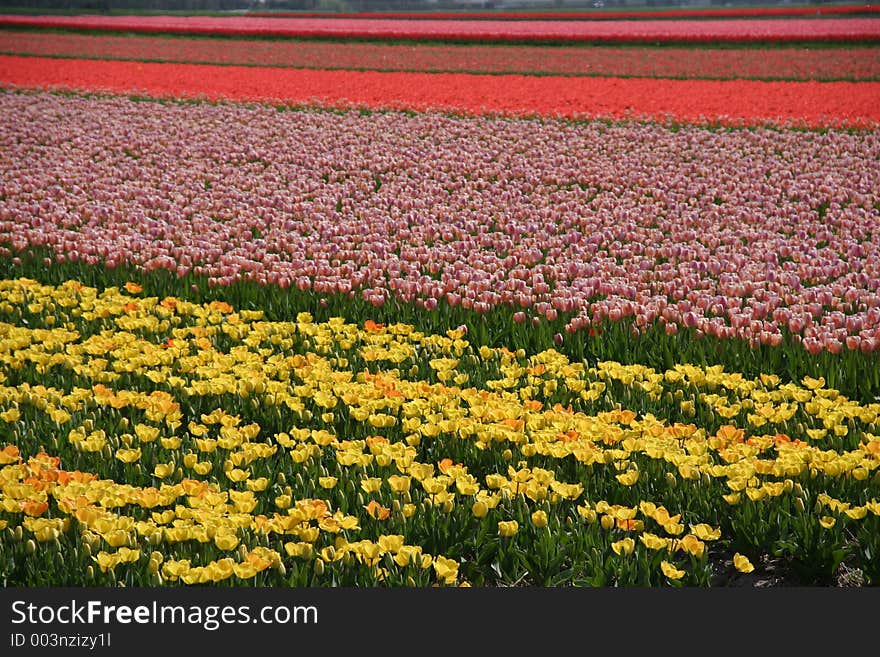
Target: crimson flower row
[[735, 30]]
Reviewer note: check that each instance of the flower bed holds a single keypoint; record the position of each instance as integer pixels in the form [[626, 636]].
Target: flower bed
[[668, 62], [737, 102], [696, 31], [754, 234], [156, 441]]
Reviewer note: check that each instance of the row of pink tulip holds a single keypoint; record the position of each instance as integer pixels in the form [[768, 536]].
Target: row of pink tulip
[[748, 233]]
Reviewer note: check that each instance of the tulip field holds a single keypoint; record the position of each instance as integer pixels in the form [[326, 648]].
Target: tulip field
[[490, 301]]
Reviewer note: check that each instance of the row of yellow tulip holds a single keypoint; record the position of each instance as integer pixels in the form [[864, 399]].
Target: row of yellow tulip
[[184, 425]]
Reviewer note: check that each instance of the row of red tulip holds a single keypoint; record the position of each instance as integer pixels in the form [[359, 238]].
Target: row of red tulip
[[597, 14], [802, 104], [700, 31], [669, 62]]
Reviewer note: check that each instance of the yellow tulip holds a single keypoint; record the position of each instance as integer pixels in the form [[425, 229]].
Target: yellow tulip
[[237, 474], [163, 470], [539, 518], [105, 561], [705, 532], [628, 478], [407, 554], [742, 563], [116, 538], [624, 546], [203, 467], [857, 513], [732, 498], [692, 545], [257, 485], [371, 484], [390, 543], [399, 484], [480, 509], [654, 542], [508, 528], [587, 513], [221, 569], [226, 541], [756, 494], [671, 571], [495, 481], [446, 569], [128, 455], [302, 550], [673, 528]]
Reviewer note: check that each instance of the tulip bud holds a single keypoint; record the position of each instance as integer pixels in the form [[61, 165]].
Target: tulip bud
[[90, 573], [19, 534], [671, 481], [539, 519], [319, 567], [480, 509], [799, 505], [30, 547], [507, 455], [607, 522], [281, 478]]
